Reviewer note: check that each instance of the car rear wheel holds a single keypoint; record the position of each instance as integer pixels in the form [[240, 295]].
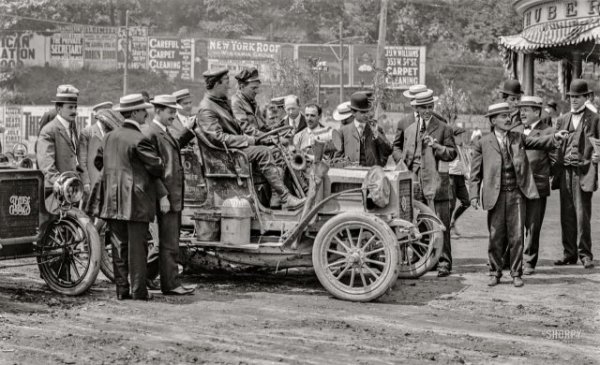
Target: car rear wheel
[[70, 254], [417, 257], [355, 256]]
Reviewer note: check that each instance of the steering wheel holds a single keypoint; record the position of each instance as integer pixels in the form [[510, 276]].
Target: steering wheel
[[274, 131]]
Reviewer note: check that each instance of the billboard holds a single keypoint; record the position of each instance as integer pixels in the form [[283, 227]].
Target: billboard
[[22, 48], [66, 49], [404, 66], [100, 47], [138, 47], [330, 55], [171, 56]]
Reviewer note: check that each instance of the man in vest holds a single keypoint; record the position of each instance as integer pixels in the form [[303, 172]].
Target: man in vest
[[576, 176]]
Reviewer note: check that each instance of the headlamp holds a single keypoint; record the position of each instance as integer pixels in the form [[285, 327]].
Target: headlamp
[[68, 187]]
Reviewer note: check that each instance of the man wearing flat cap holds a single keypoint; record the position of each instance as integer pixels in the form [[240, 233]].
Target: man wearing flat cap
[[169, 223], [275, 112], [184, 116], [576, 176], [243, 103], [500, 170], [132, 173], [58, 142], [217, 122], [530, 108], [428, 148]]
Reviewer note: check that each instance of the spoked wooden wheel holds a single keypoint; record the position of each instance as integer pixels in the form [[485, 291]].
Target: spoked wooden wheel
[[70, 253], [417, 257], [355, 256]]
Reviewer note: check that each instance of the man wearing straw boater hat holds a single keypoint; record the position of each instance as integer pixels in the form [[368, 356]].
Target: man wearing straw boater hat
[[576, 176], [169, 223], [530, 108], [343, 113], [243, 103], [428, 147], [500, 170], [58, 142], [217, 122], [184, 115], [132, 185], [362, 142]]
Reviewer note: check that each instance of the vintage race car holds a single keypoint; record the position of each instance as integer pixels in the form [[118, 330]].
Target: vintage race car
[[358, 235], [63, 240]]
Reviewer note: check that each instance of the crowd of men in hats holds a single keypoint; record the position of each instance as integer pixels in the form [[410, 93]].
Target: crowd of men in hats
[[132, 172]]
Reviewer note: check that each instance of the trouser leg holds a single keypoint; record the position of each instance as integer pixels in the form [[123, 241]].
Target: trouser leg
[[262, 160], [153, 265], [118, 236], [462, 195], [568, 214], [498, 234], [443, 210], [535, 209], [582, 201], [515, 217], [168, 231], [138, 251]]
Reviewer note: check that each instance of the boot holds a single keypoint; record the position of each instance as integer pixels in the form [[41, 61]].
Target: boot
[[274, 177]]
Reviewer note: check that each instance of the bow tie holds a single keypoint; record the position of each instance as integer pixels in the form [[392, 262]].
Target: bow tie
[[577, 112], [527, 127]]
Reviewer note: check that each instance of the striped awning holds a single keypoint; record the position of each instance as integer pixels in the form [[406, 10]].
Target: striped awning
[[555, 34]]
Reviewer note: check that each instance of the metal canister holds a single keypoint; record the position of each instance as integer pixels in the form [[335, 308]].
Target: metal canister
[[236, 214]]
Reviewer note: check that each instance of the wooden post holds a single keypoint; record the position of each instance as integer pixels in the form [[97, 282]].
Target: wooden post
[[126, 64], [577, 65], [341, 63], [380, 54], [528, 74]]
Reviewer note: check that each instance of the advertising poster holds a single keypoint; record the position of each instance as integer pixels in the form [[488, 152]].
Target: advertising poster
[[13, 128], [329, 55], [138, 47], [22, 48], [171, 56], [100, 47], [405, 66], [66, 49]]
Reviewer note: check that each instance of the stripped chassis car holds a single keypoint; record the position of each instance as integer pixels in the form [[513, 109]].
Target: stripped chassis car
[[357, 249], [64, 241]]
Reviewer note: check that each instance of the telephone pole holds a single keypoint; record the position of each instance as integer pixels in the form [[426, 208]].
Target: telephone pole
[[126, 63], [341, 63], [379, 64]]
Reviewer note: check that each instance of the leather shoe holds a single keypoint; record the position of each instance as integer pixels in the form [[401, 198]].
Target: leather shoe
[[443, 272], [528, 270], [518, 282], [153, 284], [146, 298], [565, 261], [587, 263], [124, 296], [180, 290], [493, 281]]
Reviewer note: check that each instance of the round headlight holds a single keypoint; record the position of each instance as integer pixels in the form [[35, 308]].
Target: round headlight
[[68, 187]]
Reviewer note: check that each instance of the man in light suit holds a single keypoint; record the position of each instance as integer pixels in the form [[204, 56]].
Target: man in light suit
[[428, 148], [500, 170], [539, 161], [576, 175], [131, 181], [58, 141], [169, 223], [183, 116], [363, 142]]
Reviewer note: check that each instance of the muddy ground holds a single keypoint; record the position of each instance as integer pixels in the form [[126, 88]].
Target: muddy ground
[[267, 318]]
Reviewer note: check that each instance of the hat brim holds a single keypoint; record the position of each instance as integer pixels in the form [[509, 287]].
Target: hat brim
[[491, 114], [579, 94], [341, 116], [533, 105], [63, 102], [408, 94], [118, 108], [359, 109], [416, 103], [506, 92], [172, 106]]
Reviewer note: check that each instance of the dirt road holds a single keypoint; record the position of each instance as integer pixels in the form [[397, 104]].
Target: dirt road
[[265, 318]]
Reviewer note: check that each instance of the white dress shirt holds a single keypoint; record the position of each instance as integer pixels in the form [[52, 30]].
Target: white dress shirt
[[295, 122], [527, 130]]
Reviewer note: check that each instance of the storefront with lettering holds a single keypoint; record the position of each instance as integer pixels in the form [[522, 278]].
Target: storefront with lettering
[[566, 31]]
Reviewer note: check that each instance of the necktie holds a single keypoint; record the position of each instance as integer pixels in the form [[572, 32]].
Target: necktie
[[423, 129]]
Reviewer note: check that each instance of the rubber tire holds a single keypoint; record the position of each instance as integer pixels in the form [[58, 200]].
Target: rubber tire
[[94, 257], [323, 273], [435, 253]]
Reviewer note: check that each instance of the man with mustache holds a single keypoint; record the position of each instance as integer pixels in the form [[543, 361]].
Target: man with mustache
[[58, 142], [169, 220], [500, 170]]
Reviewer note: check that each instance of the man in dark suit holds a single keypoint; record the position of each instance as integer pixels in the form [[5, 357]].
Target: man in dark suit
[[169, 223], [428, 149], [511, 93], [131, 180], [576, 175], [363, 142], [183, 116], [539, 161], [293, 118], [58, 141], [500, 170], [217, 123], [243, 103], [90, 140]]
